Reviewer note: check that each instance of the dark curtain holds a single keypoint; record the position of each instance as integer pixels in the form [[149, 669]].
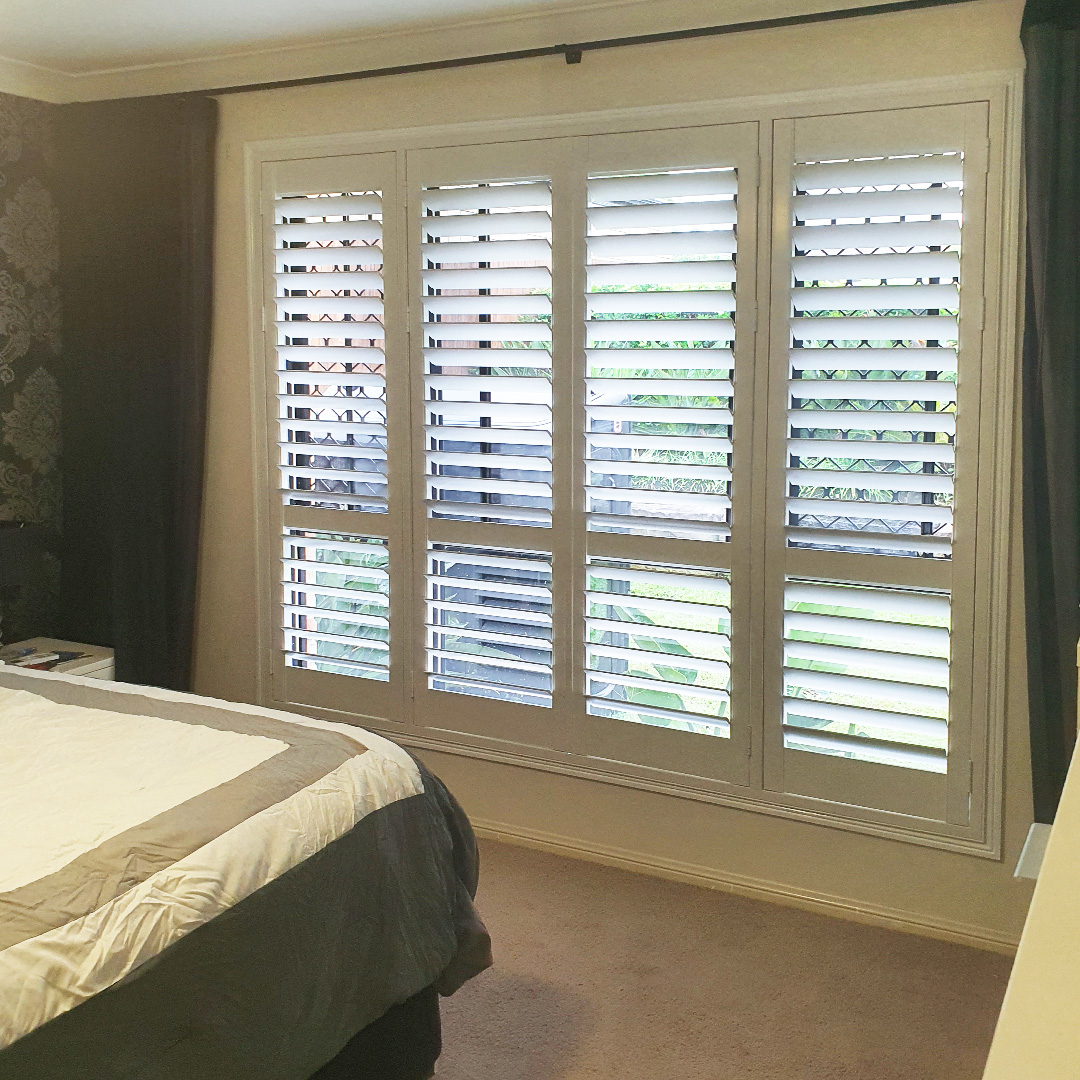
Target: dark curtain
[[1051, 387], [136, 204]]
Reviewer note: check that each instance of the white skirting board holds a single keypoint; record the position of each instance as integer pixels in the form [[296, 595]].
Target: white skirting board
[[755, 889]]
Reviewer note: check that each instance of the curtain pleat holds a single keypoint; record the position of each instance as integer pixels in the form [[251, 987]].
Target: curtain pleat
[[1051, 388], [136, 193]]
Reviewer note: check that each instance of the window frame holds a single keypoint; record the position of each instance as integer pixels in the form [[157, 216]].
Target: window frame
[[268, 161]]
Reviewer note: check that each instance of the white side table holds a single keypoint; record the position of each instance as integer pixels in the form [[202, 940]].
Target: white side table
[[96, 663]]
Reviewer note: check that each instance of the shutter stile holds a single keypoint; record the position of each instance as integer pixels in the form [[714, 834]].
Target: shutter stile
[[487, 331], [331, 361], [336, 604], [660, 306], [872, 383]]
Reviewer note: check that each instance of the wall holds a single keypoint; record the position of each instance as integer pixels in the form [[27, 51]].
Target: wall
[[29, 352], [958, 896]]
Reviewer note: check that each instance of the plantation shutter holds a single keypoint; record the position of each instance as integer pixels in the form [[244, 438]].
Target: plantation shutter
[[546, 479], [666, 229], [331, 363], [482, 227], [875, 265], [330, 408], [876, 292], [487, 351]]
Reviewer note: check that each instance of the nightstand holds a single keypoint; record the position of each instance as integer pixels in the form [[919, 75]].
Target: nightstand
[[96, 663]]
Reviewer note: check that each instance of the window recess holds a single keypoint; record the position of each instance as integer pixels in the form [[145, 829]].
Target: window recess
[[549, 477]]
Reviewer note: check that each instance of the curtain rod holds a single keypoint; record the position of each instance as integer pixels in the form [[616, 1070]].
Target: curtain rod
[[574, 53]]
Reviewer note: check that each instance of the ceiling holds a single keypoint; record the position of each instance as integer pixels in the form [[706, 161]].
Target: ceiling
[[81, 36]]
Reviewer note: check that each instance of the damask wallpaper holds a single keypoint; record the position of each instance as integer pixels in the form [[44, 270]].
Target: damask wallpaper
[[29, 353]]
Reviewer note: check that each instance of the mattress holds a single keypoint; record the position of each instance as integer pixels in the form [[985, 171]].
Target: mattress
[[192, 889]]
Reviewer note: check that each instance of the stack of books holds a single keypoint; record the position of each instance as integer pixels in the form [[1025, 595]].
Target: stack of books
[[33, 656]]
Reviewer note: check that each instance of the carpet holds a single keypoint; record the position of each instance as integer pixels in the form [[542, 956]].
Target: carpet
[[601, 974]]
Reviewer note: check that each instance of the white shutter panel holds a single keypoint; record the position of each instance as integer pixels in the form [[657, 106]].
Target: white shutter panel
[[665, 661], [872, 383], [336, 604], [487, 351], [487, 332], [660, 308], [331, 362], [871, 420], [875, 325]]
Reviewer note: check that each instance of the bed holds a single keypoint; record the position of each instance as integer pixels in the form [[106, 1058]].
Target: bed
[[197, 890]]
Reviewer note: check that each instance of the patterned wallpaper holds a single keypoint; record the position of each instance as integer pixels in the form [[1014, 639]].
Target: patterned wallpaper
[[29, 352]]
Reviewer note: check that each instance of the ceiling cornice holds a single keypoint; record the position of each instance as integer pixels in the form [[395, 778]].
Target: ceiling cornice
[[30, 80], [415, 43]]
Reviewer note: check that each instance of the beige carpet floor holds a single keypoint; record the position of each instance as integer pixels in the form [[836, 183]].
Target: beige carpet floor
[[606, 975]]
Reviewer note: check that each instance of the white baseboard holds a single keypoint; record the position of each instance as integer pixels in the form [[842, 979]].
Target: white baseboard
[[756, 889]]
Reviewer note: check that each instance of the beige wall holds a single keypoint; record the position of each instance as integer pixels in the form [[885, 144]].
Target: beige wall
[[972, 897]]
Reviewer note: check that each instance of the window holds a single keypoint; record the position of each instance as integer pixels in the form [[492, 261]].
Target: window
[[604, 452]]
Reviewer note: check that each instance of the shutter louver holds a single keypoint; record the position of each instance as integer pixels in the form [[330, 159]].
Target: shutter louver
[[658, 645], [489, 623], [660, 307], [872, 409], [487, 330], [866, 673], [336, 604], [331, 363]]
